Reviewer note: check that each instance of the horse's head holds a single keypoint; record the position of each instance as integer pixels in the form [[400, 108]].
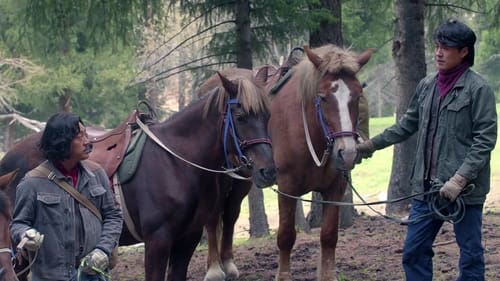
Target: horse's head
[[328, 80], [245, 126]]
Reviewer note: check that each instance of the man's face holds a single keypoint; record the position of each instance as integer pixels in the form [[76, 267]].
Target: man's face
[[79, 146], [448, 58]]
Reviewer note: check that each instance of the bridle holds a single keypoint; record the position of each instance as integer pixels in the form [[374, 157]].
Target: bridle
[[328, 134], [240, 146]]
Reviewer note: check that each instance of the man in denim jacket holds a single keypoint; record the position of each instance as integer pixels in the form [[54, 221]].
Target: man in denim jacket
[[70, 242], [454, 116]]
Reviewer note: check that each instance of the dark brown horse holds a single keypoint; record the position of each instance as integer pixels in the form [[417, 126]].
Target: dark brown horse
[[313, 113], [220, 228], [170, 199], [7, 271]]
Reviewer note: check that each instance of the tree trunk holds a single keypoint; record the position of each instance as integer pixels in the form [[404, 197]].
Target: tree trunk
[[258, 218], [314, 216], [408, 52], [243, 28], [181, 98], [64, 101], [10, 136], [329, 32], [300, 219]]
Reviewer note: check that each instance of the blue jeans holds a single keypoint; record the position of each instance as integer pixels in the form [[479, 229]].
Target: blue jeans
[[83, 277], [418, 253]]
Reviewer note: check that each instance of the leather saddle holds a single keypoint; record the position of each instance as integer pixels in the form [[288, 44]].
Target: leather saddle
[[109, 147], [274, 77]]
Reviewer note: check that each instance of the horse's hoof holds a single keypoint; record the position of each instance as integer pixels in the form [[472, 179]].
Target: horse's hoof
[[231, 270], [215, 273], [284, 276]]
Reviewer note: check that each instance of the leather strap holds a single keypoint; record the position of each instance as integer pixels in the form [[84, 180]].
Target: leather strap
[[44, 171]]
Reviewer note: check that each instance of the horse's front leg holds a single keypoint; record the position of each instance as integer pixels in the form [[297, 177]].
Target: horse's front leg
[[329, 235], [286, 236], [214, 269], [232, 210], [156, 255], [181, 254]]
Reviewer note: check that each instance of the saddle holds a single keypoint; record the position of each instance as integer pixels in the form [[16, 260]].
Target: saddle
[[276, 77], [109, 147]]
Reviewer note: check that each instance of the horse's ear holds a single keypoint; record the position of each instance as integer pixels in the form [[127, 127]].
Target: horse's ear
[[261, 75], [7, 178], [315, 59], [364, 57], [231, 88]]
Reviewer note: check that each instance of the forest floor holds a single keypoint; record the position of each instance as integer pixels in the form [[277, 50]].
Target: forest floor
[[368, 250]]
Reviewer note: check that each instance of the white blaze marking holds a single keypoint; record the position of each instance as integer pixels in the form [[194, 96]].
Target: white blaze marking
[[343, 96]]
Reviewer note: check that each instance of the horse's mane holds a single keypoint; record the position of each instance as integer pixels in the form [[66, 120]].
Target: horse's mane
[[335, 60], [250, 95]]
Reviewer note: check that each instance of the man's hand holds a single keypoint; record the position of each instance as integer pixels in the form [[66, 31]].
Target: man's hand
[[452, 188], [365, 149], [31, 240], [95, 262]]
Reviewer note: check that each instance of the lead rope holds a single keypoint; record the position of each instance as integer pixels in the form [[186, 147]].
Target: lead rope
[[436, 203], [158, 142], [31, 261], [83, 263], [10, 252]]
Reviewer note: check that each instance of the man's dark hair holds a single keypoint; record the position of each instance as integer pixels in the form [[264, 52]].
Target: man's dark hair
[[60, 130], [456, 34]]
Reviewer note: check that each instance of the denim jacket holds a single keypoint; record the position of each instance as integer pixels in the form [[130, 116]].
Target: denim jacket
[[466, 133], [43, 205]]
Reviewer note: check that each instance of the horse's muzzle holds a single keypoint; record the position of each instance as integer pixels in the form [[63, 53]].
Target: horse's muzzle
[[264, 177]]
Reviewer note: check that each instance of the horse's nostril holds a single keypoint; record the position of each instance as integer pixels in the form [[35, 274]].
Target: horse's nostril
[[340, 154], [268, 173]]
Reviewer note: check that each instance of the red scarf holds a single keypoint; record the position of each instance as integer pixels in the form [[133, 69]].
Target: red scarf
[[73, 173], [447, 79]]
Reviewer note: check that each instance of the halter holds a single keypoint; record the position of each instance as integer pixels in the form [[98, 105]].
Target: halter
[[240, 146], [329, 134]]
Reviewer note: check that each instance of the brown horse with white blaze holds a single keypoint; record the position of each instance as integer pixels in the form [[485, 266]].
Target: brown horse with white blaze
[[314, 121]]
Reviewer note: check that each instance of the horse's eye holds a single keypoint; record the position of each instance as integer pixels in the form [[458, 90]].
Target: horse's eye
[[241, 118]]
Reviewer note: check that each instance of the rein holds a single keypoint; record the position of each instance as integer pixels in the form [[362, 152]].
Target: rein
[[327, 133], [436, 204], [229, 123]]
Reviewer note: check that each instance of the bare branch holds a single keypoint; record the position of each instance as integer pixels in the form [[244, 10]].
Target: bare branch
[[34, 125], [187, 39], [453, 6], [152, 78], [208, 11]]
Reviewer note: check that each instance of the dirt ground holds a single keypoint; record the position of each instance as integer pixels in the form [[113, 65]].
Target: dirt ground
[[368, 250]]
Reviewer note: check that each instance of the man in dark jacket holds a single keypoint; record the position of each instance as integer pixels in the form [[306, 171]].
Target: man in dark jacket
[[70, 241], [454, 116]]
